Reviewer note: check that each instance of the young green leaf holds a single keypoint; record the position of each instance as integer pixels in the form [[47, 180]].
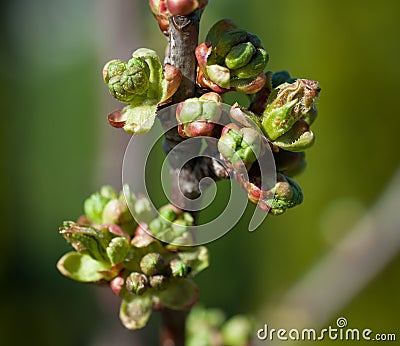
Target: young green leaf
[[135, 310], [82, 267], [180, 294]]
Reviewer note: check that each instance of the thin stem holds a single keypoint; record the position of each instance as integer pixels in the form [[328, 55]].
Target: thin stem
[[184, 33], [173, 327], [185, 181], [183, 39]]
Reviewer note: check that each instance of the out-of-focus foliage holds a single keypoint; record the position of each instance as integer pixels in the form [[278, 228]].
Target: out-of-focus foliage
[[52, 128]]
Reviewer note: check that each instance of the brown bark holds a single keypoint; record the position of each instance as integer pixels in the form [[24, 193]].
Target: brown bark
[[183, 40]]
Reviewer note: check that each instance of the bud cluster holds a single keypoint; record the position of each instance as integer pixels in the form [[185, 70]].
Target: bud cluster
[[198, 116], [150, 265], [289, 113], [279, 117], [143, 84], [172, 226], [280, 122], [111, 248], [231, 59], [239, 145], [107, 207], [283, 110]]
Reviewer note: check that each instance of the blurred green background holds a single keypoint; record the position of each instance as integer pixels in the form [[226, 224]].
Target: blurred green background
[[57, 148]]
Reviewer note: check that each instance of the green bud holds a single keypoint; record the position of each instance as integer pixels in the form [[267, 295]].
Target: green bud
[[254, 67], [143, 84], [228, 40], [179, 268], [179, 227], [125, 80], [199, 109], [287, 194], [94, 206], [227, 145], [220, 75], [136, 76], [112, 69], [168, 213], [287, 104], [140, 205], [231, 59], [143, 209], [188, 218], [152, 263], [158, 282], [197, 116], [196, 258], [156, 226], [118, 249], [249, 85], [185, 239], [218, 29], [113, 211], [136, 283], [240, 55], [240, 145], [108, 192], [166, 235]]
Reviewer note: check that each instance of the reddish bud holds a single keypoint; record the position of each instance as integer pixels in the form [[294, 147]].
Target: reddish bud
[[117, 284], [117, 118], [181, 7], [227, 128]]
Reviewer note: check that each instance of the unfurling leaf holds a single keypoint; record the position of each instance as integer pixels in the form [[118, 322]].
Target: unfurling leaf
[[240, 145], [143, 85], [180, 294], [82, 267], [298, 138], [139, 119], [197, 259], [94, 206], [231, 59], [287, 104], [118, 249], [87, 240], [135, 310]]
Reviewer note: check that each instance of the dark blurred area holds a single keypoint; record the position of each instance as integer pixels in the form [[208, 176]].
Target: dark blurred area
[[57, 148]]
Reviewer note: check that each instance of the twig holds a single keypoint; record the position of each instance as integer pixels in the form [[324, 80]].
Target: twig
[[183, 40]]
